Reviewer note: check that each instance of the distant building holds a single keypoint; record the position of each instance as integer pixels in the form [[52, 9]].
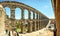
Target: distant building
[[53, 21]]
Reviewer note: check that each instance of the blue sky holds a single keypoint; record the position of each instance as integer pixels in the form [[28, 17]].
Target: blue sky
[[44, 6]]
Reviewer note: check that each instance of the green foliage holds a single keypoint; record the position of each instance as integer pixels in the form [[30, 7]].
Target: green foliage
[[18, 29], [17, 25]]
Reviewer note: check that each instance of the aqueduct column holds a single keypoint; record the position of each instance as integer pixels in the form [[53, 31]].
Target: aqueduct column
[[22, 13], [12, 13], [37, 22], [22, 23], [34, 22], [12, 16], [29, 23]]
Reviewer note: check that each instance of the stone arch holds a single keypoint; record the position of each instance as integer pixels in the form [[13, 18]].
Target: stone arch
[[8, 12], [26, 14], [18, 13], [18, 4], [14, 4], [31, 15], [35, 15]]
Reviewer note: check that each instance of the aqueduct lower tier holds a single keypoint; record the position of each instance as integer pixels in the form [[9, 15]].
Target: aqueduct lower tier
[[33, 24]]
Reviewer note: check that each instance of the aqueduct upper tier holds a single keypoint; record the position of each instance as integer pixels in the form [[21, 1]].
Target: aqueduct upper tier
[[14, 5]]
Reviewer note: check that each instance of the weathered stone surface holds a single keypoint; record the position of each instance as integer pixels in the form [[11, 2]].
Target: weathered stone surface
[[2, 21]]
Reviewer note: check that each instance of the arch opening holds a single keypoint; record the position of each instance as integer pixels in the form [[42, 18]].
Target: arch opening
[[17, 13], [8, 12], [26, 14]]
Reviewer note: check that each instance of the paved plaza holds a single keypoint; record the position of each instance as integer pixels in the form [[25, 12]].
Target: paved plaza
[[42, 32]]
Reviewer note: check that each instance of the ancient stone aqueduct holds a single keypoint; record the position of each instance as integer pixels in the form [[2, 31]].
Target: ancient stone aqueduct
[[34, 24]]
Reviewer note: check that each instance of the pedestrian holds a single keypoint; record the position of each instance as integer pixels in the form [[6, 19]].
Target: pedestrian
[[14, 33], [55, 30]]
